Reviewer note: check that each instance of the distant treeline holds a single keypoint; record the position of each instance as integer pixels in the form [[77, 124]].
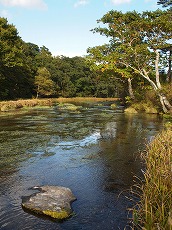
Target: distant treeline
[[27, 70]]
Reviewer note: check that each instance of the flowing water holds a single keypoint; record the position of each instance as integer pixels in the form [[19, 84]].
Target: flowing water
[[94, 151]]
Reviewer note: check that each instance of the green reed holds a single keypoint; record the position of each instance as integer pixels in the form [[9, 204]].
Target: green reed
[[155, 208]]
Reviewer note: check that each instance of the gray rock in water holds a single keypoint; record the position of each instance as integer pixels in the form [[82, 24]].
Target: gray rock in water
[[53, 201]]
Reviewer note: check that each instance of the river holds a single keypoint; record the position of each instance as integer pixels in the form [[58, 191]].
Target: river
[[94, 151]]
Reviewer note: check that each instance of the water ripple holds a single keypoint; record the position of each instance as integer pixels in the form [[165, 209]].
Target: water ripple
[[85, 142]]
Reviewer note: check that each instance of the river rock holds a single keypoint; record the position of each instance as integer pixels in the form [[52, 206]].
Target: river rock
[[130, 110], [53, 201]]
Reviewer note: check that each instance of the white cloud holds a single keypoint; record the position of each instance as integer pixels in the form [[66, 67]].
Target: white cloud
[[81, 3], [118, 2], [38, 4]]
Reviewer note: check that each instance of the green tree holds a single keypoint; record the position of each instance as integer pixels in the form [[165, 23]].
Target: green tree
[[165, 3], [44, 58], [72, 75], [10, 45], [167, 50], [81, 76], [44, 85], [135, 46], [15, 73], [31, 51]]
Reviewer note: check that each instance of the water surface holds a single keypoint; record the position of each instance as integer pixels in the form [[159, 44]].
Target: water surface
[[94, 151]]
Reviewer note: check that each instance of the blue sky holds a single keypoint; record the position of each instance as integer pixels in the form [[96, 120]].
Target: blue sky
[[63, 26]]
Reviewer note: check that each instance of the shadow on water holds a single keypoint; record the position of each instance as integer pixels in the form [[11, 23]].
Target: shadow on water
[[94, 151]]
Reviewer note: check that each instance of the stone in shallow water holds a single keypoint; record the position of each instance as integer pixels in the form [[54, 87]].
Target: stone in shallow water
[[53, 201]]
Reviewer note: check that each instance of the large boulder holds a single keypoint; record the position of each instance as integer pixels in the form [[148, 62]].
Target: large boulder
[[53, 201]]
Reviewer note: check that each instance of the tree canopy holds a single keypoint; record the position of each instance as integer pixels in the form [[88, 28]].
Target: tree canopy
[[10, 45], [165, 3], [27, 70], [135, 43]]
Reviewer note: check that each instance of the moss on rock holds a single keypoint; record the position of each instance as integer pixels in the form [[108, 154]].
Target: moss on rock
[[60, 215], [130, 110]]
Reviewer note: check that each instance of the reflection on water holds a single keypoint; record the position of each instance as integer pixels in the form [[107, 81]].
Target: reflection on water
[[95, 152], [86, 141]]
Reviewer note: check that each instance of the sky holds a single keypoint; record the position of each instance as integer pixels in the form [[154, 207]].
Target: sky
[[63, 26]]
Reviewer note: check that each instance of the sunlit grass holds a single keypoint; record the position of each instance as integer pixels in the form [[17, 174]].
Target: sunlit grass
[[85, 99], [6, 106], [155, 208]]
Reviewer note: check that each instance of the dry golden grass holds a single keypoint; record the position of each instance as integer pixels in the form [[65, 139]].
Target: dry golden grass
[[6, 106], [84, 99]]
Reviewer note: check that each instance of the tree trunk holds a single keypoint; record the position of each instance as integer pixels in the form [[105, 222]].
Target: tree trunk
[[130, 89], [169, 75], [165, 110], [157, 70], [37, 93], [166, 106]]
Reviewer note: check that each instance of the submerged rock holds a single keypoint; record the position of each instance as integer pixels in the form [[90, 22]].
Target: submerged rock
[[53, 201]]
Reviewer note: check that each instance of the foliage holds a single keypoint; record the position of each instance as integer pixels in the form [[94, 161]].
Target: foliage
[[10, 45], [134, 49], [45, 86], [165, 3], [15, 74]]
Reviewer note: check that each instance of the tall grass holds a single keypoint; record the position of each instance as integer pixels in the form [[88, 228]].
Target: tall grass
[[155, 208], [6, 106]]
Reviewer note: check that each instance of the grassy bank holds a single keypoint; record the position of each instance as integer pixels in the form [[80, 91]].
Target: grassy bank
[[155, 208], [6, 106]]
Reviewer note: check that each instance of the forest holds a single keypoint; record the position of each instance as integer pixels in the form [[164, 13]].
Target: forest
[[27, 71], [135, 65]]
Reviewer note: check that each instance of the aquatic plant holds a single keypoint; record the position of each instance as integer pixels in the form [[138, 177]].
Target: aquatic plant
[[113, 106], [68, 106], [106, 115]]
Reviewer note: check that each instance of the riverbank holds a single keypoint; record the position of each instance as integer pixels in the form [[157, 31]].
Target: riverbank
[[155, 208], [6, 106]]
